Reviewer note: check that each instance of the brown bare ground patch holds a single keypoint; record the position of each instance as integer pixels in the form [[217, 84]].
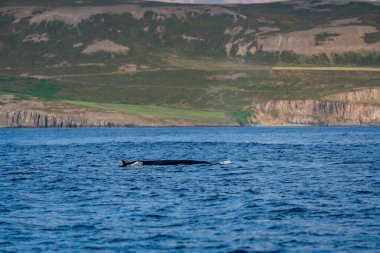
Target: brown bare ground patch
[[191, 38], [19, 12], [346, 21], [91, 64], [49, 55], [74, 16], [76, 45], [36, 38], [127, 68], [233, 31], [62, 64], [34, 76], [106, 46], [243, 49], [228, 77], [6, 98]]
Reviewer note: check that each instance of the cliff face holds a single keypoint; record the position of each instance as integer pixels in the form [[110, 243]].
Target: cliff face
[[354, 108], [29, 118], [351, 108]]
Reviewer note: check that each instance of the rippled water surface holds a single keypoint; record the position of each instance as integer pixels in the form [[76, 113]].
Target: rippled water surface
[[287, 189]]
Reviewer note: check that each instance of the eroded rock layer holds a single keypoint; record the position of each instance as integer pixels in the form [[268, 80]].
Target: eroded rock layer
[[355, 108]]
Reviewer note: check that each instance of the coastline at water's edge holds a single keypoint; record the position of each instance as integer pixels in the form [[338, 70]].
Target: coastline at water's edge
[[38, 119], [355, 108]]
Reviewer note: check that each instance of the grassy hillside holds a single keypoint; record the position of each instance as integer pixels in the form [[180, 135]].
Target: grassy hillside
[[197, 88], [195, 31], [189, 57]]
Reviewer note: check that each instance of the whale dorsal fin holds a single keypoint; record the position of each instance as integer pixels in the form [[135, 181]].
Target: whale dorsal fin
[[125, 163]]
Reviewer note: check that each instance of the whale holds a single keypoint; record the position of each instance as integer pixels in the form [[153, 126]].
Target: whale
[[126, 163]]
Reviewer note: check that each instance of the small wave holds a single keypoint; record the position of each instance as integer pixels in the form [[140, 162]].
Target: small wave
[[226, 162], [290, 210], [160, 236], [363, 192], [239, 251], [84, 227], [155, 216]]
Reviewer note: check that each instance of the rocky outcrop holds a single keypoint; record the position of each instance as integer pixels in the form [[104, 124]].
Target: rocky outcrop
[[355, 108], [352, 108], [29, 118]]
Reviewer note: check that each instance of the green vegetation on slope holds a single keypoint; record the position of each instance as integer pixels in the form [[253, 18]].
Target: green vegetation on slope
[[198, 89], [325, 36], [46, 89], [159, 111], [243, 117], [365, 69]]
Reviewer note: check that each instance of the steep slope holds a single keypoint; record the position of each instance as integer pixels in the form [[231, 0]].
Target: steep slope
[[258, 33]]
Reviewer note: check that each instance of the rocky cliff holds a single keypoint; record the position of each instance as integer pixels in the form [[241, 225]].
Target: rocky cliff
[[29, 118], [355, 108], [352, 108]]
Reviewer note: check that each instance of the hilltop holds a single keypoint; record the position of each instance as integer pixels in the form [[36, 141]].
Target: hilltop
[[218, 59]]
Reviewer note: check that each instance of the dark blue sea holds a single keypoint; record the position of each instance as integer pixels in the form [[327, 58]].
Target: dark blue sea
[[299, 189]]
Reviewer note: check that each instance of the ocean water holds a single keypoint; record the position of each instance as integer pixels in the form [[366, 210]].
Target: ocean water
[[306, 189]]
